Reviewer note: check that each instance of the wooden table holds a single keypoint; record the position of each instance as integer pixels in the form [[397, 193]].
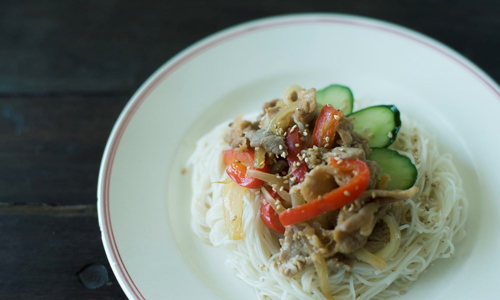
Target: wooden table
[[66, 71]]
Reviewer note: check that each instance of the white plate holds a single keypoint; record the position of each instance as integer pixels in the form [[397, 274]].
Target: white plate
[[144, 197]]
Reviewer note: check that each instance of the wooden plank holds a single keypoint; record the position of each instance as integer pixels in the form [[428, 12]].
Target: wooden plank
[[95, 46], [51, 147], [42, 256]]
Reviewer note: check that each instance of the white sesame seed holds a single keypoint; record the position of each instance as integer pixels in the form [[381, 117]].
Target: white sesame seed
[[347, 193], [306, 159], [281, 147], [281, 189], [336, 117], [339, 161], [327, 139], [298, 164], [305, 133], [389, 135], [297, 145]]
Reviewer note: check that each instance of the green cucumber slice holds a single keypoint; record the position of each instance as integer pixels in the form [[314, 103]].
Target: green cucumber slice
[[402, 171], [338, 96], [379, 124]]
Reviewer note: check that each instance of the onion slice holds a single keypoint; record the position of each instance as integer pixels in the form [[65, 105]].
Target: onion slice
[[369, 258], [322, 271], [233, 209], [395, 240], [269, 178]]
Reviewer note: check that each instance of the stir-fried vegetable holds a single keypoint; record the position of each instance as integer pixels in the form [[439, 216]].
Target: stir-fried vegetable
[[369, 258], [237, 168], [260, 158], [334, 199], [283, 119], [233, 209], [394, 241], [292, 194], [268, 213], [295, 146], [322, 271], [326, 127]]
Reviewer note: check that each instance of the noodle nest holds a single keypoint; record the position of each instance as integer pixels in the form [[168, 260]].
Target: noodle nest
[[432, 221]]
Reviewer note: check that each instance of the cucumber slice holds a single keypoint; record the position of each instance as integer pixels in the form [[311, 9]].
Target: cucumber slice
[[338, 96], [402, 171], [379, 124]]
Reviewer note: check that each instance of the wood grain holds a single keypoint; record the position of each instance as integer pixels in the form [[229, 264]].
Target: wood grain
[[101, 46], [52, 147], [42, 255]]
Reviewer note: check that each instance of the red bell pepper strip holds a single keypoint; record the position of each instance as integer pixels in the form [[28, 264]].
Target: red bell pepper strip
[[326, 127], [237, 163], [295, 146], [269, 216], [334, 199]]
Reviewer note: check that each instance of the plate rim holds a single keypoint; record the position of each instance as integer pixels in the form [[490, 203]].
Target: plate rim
[[104, 218]]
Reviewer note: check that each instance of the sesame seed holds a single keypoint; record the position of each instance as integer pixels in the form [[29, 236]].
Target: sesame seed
[[305, 133], [347, 193], [293, 178], [336, 117], [298, 164], [307, 125], [281, 147], [327, 139], [297, 145], [281, 189], [339, 161], [257, 148], [389, 135], [306, 159]]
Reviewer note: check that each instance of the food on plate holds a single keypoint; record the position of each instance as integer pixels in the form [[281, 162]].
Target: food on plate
[[313, 200]]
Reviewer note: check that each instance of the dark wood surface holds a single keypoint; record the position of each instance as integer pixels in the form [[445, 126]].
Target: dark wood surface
[[67, 68]]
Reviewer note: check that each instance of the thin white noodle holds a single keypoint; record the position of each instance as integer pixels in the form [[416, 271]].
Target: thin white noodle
[[432, 221]]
